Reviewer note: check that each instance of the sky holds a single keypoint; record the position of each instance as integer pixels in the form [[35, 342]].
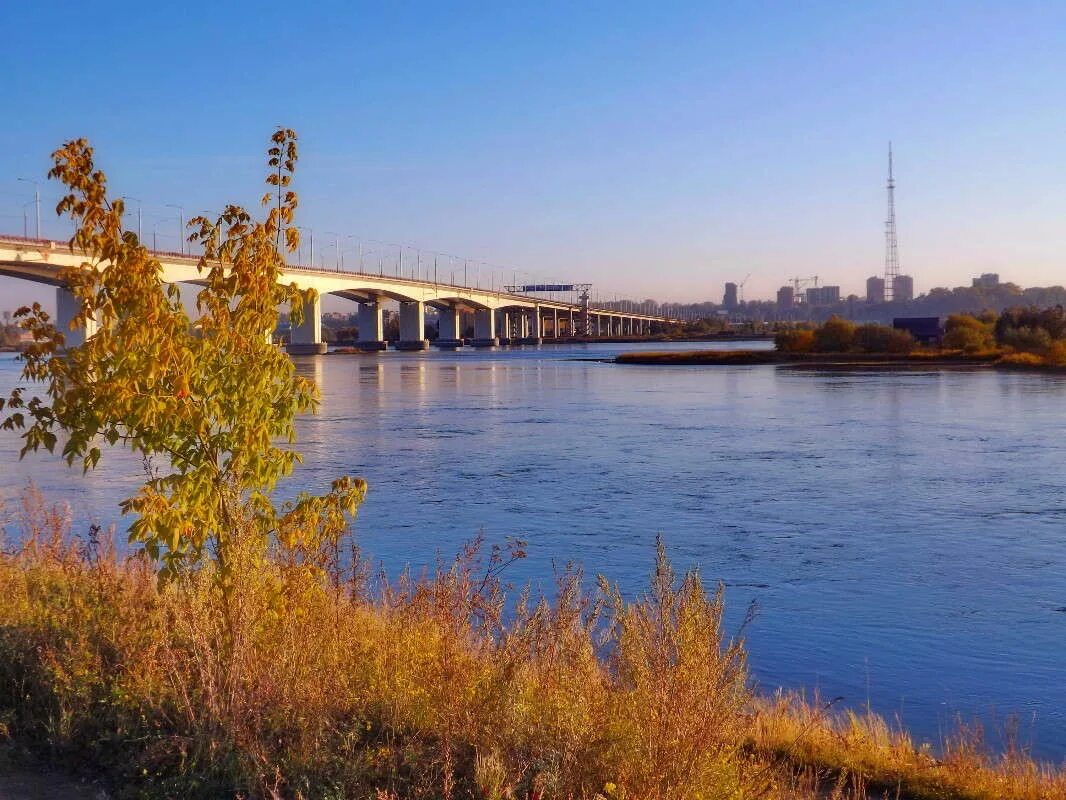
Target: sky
[[653, 149]]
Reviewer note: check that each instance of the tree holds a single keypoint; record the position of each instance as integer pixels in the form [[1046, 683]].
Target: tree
[[835, 335], [211, 401], [794, 340], [873, 338], [1031, 328], [973, 335]]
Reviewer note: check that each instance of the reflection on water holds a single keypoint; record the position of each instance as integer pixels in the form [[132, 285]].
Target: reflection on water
[[901, 532]]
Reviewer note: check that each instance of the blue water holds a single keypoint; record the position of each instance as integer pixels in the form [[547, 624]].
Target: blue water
[[903, 533]]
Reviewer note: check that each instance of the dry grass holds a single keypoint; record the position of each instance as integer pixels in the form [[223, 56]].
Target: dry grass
[[862, 743], [311, 681]]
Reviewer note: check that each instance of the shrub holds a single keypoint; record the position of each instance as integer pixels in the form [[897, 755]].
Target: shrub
[[1026, 338], [835, 335], [1052, 321], [796, 340], [1056, 354], [873, 338], [964, 332], [1022, 360], [422, 688]]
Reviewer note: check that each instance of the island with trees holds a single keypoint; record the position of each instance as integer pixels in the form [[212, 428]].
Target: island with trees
[[1025, 338]]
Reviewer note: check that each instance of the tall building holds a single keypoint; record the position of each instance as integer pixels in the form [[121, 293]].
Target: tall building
[[989, 280], [875, 290], [786, 298], [903, 288], [823, 296], [730, 298]]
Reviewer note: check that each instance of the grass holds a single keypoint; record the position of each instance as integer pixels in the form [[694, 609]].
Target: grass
[[310, 680], [889, 760]]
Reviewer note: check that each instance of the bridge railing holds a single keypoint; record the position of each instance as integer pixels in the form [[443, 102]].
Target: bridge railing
[[499, 292]]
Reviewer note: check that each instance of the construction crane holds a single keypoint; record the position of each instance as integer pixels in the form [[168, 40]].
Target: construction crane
[[740, 288], [798, 283]]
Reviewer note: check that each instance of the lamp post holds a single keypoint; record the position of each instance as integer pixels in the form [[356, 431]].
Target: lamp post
[[155, 231], [311, 236], [364, 253], [36, 201], [181, 226], [380, 250], [138, 202], [26, 220], [336, 246], [360, 250]]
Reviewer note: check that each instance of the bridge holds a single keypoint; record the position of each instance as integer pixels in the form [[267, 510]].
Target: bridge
[[508, 315]]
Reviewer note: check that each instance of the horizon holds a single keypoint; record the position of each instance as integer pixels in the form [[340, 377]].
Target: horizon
[[655, 155]]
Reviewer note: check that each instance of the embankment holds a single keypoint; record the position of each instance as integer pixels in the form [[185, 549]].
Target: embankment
[[923, 360]]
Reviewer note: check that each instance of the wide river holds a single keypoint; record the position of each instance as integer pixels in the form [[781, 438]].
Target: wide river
[[902, 533]]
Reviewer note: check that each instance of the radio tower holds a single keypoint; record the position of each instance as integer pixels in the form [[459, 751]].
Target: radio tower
[[891, 250]]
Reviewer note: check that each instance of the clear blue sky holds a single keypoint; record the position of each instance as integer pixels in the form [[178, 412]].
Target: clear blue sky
[[656, 149]]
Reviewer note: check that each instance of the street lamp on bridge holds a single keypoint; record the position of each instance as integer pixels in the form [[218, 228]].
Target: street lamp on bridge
[[138, 202], [181, 226], [36, 201], [336, 246], [155, 231], [300, 250]]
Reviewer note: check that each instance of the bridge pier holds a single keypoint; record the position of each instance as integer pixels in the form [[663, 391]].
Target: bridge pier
[[485, 328], [449, 334], [67, 307], [503, 326], [533, 332], [371, 327], [412, 326], [306, 338]]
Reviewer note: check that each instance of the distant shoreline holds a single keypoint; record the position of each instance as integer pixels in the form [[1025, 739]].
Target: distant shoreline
[[918, 360]]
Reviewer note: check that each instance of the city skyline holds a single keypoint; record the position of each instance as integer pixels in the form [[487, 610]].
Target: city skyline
[[665, 156]]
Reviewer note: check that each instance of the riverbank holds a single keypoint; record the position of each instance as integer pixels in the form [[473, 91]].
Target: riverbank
[[312, 680], [915, 360]]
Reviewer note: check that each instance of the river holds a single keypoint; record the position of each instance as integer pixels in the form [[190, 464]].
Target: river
[[903, 534]]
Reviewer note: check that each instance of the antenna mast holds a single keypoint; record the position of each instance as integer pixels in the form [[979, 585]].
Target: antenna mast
[[891, 248]]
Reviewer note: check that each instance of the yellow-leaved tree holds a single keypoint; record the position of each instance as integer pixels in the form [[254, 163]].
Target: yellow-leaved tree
[[212, 399]]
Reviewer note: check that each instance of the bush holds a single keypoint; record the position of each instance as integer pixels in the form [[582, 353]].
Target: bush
[[422, 689], [1026, 339], [795, 341], [1022, 360], [1056, 354], [1051, 320], [873, 338], [967, 333], [835, 335]]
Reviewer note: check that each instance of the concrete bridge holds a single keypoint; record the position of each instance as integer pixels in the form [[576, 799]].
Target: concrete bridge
[[500, 317]]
